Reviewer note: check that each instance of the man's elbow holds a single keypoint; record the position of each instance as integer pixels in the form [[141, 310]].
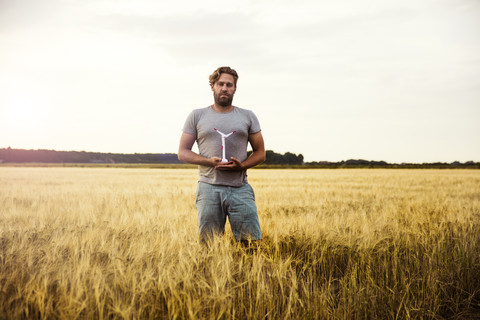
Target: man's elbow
[[181, 155]]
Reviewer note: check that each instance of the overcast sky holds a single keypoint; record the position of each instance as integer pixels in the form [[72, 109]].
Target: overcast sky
[[334, 80]]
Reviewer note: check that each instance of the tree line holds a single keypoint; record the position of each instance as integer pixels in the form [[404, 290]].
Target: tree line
[[9, 155], [51, 156], [273, 159]]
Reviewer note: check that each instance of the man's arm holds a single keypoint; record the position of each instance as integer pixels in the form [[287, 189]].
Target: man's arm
[[185, 153], [258, 155]]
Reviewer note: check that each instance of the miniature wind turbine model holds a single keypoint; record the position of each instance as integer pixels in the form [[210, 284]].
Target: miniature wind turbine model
[[223, 143]]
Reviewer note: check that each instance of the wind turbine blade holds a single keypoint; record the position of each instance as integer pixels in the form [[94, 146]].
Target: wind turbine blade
[[223, 134]]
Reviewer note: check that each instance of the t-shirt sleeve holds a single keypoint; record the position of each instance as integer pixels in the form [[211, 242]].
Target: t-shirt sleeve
[[255, 124], [190, 125]]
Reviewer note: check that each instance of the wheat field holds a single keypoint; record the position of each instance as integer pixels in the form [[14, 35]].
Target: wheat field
[[116, 243]]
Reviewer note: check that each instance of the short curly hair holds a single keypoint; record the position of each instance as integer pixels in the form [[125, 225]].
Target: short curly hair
[[216, 74]]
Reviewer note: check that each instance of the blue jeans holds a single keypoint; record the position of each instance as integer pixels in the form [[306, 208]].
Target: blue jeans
[[215, 203]]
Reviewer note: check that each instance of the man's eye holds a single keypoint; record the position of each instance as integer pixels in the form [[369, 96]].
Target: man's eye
[[221, 84]]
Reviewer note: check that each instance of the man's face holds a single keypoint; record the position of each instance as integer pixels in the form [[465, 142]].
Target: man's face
[[223, 90]]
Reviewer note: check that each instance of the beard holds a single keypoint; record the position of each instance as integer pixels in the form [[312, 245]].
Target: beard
[[224, 101]]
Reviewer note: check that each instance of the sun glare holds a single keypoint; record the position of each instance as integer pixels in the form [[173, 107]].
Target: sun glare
[[18, 121], [19, 111]]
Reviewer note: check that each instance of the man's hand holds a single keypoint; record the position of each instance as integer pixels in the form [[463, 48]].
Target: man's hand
[[233, 165], [215, 161]]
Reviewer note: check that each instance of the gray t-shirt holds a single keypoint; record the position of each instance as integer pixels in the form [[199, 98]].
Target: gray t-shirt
[[202, 124]]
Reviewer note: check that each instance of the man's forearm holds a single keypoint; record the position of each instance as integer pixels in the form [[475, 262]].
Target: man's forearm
[[255, 158], [191, 157]]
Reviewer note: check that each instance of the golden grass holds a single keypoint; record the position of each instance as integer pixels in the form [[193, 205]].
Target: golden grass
[[82, 243]]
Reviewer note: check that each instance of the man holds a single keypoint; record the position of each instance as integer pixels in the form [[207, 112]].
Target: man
[[222, 132]]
